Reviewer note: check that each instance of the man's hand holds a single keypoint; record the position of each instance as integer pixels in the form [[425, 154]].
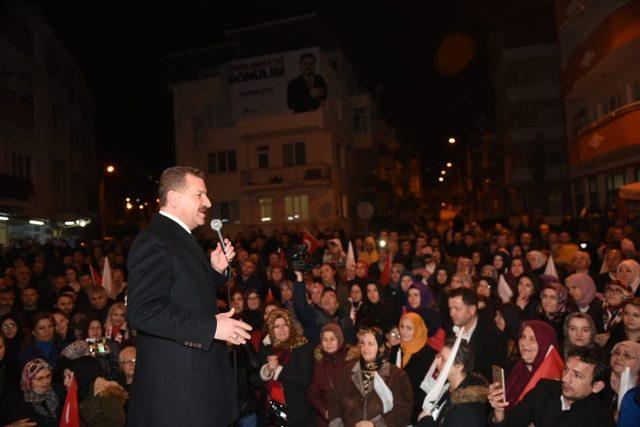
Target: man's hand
[[231, 330], [218, 260], [497, 401], [272, 362]]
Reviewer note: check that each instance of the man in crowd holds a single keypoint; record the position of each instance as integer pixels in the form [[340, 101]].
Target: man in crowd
[[573, 401]]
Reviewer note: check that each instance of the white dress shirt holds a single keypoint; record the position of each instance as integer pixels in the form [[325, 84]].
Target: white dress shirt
[[176, 219]]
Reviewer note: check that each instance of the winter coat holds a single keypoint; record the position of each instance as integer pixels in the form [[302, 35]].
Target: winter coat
[[465, 406], [350, 404], [325, 373]]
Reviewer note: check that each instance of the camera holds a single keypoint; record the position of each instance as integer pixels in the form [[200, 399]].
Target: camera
[[299, 259]]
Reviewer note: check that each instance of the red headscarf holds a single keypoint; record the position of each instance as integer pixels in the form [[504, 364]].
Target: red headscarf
[[520, 375]]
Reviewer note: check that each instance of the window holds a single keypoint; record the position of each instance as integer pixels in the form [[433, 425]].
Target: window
[[59, 175], [635, 91], [578, 191], [360, 120], [263, 157], [613, 182], [294, 154], [20, 166], [594, 200], [296, 207], [266, 209], [222, 161], [615, 102], [580, 121], [227, 211]]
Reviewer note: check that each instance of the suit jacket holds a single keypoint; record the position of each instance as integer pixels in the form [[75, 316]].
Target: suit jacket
[[542, 407], [299, 98], [182, 375]]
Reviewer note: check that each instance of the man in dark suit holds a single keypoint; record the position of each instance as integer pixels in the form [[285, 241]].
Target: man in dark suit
[[488, 343], [306, 92], [183, 375]]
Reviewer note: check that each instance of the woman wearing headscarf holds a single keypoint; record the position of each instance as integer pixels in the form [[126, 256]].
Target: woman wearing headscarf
[[625, 354], [535, 339], [416, 297], [553, 307], [527, 296], [582, 290], [371, 391], [362, 274], [438, 282], [253, 312], [616, 295], [537, 260], [287, 370], [38, 400], [13, 337], [487, 290], [331, 357], [370, 253], [100, 402], [628, 272], [413, 355]]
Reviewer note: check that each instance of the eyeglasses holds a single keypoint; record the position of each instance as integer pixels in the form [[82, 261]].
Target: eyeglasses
[[9, 326], [129, 362]]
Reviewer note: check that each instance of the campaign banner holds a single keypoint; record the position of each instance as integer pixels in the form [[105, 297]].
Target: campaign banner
[[281, 83]]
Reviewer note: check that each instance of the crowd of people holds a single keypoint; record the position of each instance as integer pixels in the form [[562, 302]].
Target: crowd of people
[[357, 330]]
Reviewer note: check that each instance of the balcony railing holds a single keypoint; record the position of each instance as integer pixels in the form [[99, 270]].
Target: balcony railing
[[286, 176], [17, 85]]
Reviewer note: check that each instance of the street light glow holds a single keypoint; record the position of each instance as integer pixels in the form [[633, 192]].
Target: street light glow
[[141, 207], [449, 164], [452, 140], [443, 172], [111, 169], [129, 206], [441, 179]]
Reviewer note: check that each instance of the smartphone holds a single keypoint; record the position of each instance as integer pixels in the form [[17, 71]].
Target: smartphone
[[498, 377]]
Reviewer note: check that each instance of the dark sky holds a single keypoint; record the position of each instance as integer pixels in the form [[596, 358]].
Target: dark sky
[[121, 47]]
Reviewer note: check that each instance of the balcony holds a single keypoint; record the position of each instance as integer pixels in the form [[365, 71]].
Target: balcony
[[15, 101], [262, 127], [617, 130], [312, 174], [613, 46]]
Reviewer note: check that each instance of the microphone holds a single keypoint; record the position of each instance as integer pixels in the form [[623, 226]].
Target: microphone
[[216, 225]]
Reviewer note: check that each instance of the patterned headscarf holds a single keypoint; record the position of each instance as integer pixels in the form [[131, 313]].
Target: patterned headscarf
[[295, 339], [76, 350], [49, 398]]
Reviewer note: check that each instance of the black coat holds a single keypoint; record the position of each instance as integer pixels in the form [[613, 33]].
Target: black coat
[[14, 408], [489, 346], [542, 407], [182, 375], [466, 406], [299, 97], [416, 369], [296, 377]]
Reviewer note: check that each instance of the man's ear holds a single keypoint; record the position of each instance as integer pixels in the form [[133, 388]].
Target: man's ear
[[474, 309], [597, 386]]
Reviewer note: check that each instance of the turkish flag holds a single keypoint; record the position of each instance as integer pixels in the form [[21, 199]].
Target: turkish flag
[[70, 416], [550, 369], [283, 259], [95, 277], [309, 241]]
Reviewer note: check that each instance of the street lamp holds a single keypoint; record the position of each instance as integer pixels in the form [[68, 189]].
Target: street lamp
[[441, 179], [452, 140], [449, 164], [443, 172], [111, 169]]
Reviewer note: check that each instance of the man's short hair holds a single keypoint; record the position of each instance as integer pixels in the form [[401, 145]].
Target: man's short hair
[[469, 297], [173, 178], [307, 55], [464, 356], [592, 355], [330, 290], [96, 291]]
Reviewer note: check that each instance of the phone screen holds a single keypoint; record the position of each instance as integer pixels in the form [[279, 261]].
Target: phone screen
[[498, 377]]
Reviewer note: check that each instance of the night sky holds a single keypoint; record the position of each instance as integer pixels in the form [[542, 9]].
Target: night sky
[[121, 48]]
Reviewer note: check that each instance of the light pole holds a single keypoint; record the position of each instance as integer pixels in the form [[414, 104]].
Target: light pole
[[102, 198]]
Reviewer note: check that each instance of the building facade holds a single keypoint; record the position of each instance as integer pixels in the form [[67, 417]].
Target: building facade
[[47, 148], [274, 157], [600, 46], [526, 75]]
